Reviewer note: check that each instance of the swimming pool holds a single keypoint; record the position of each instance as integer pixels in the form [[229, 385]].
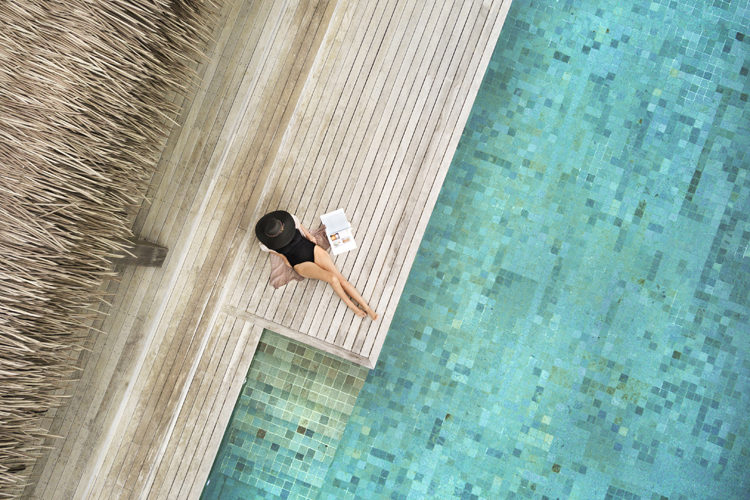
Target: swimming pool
[[576, 323]]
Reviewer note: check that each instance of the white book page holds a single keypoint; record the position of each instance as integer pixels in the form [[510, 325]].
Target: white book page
[[335, 221]]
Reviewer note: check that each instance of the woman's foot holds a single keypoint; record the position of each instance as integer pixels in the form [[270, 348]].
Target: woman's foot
[[364, 309], [359, 312]]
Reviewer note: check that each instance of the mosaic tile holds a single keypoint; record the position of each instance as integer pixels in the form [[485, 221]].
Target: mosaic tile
[[286, 424], [576, 323]]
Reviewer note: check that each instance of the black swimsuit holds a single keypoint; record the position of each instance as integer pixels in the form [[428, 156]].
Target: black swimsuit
[[299, 250]]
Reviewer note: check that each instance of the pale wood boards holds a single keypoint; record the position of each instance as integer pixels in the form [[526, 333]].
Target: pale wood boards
[[451, 135], [142, 292], [204, 458], [389, 219], [160, 384], [432, 150], [319, 126], [374, 133], [300, 337], [391, 124], [305, 106], [213, 390], [200, 139], [189, 231]]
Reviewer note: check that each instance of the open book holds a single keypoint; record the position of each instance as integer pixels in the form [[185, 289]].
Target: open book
[[339, 231]]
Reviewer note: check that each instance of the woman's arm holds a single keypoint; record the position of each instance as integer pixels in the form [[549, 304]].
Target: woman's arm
[[303, 230], [286, 261], [307, 234]]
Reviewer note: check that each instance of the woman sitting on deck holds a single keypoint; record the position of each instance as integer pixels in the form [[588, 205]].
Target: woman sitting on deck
[[282, 234]]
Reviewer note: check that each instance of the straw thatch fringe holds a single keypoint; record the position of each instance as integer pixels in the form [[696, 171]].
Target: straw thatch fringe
[[84, 106]]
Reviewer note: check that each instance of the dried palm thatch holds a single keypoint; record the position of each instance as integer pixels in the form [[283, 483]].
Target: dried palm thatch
[[83, 115]]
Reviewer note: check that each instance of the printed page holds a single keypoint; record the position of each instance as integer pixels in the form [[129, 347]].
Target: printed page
[[342, 241]]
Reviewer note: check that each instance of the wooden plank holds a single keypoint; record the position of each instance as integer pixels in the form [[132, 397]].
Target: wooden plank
[[268, 142], [380, 80], [203, 153], [107, 395], [298, 294], [366, 166], [169, 162], [205, 70], [200, 429], [395, 224], [218, 339], [338, 132], [438, 146], [300, 337], [160, 398], [214, 363], [304, 141], [347, 147], [168, 311], [294, 139], [388, 170], [215, 430], [341, 21], [147, 301], [397, 164], [181, 163], [373, 345], [251, 194], [270, 299], [177, 352]]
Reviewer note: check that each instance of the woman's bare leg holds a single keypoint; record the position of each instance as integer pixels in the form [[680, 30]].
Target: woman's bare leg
[[312, 270], [324, 260]]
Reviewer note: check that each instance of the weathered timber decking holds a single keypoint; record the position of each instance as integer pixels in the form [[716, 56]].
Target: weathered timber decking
[[307, 106]]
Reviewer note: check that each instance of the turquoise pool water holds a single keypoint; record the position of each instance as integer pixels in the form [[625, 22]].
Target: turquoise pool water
[[577, 320]]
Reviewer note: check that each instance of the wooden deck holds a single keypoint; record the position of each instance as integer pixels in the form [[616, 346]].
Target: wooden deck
[[307, 106]]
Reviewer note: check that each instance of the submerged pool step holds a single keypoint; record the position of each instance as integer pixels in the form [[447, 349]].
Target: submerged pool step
[[287, 422]]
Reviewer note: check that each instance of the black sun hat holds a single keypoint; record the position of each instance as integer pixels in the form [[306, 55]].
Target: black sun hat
[[275, 229]]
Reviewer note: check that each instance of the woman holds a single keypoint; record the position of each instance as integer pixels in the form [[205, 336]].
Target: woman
[[281, 233]]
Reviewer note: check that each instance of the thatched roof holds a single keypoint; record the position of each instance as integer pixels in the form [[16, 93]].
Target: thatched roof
[[83, 115]]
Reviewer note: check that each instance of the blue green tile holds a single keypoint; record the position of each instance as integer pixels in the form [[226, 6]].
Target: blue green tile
[[286, 424], [577, 322]]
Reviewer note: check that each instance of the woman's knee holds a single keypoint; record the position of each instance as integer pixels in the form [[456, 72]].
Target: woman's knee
[[334, 281]]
